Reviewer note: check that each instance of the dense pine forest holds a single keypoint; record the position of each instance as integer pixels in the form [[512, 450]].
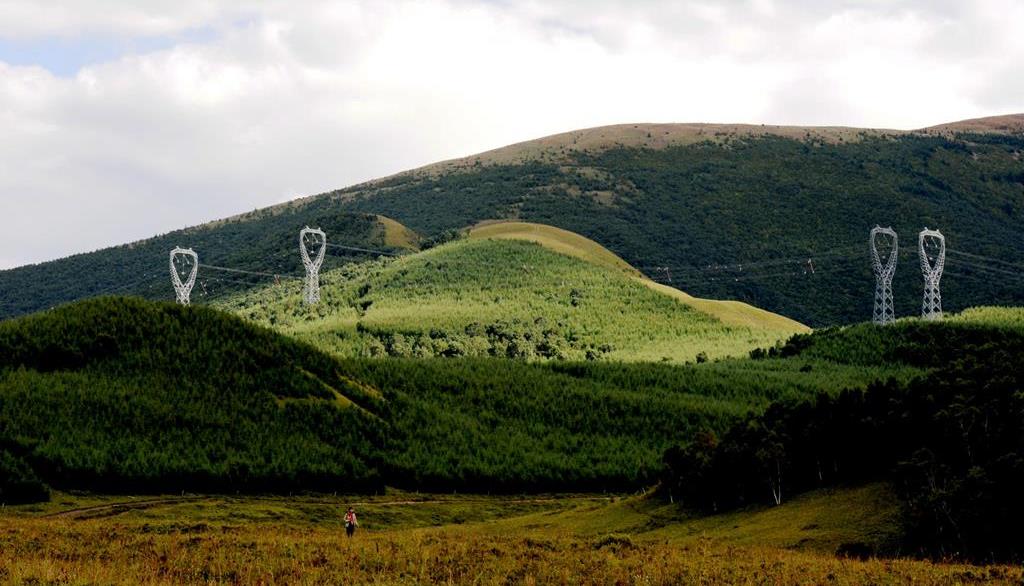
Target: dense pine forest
[[119, 394], [949, 441]]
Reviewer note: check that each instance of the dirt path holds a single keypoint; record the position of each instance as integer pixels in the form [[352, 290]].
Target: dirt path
[[109, 509], [112, 509]]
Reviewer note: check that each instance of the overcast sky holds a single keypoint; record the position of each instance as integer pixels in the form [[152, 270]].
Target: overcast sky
[[124, 119]]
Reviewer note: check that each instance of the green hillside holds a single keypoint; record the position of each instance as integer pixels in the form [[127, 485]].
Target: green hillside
[[119, 394], [732, 313], [736, 213], [512, 290], [777, 217], [264, 241]]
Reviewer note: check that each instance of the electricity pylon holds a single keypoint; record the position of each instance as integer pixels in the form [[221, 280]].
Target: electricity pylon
[[883, 313], [179, 260], [310, 237], [931, 268]]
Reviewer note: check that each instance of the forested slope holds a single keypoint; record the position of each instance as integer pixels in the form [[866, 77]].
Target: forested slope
[[948, 442], [709, 214], [264, 241], [121, 394], [118, 394]]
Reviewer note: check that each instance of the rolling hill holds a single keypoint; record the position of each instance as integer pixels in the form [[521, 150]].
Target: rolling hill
[[512, 290], [773, 216], [121, 394]]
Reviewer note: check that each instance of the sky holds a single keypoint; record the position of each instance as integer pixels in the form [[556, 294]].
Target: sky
[[122, 119]]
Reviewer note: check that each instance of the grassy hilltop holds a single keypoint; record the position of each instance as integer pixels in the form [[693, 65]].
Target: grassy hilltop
[[513, 290]]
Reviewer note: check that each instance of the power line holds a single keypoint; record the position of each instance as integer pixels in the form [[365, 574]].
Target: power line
[[358, 249], [120, 287], [977, 277], [806, 265], [981, 267], [846, 252], [985, 258], [245, 272], [754, 277]]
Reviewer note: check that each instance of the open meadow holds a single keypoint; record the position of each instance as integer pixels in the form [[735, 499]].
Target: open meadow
[[417, 539]]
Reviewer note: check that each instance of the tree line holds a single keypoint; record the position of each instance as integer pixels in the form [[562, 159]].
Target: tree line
[[949, 441]]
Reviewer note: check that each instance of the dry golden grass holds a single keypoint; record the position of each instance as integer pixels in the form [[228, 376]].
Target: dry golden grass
[[556, 239], [643, 135], [397, 235], [1010, 123], [663, 135], [733, 313], [300, 541], [101, 551]]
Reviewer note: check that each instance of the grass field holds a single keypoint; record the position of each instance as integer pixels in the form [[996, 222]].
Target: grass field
[[417, 539]]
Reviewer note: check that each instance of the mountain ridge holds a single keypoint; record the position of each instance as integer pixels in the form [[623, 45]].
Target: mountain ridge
[[676, 206], [664, 134]]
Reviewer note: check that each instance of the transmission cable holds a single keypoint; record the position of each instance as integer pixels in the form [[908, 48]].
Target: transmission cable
[[245, 272], [358, 249]]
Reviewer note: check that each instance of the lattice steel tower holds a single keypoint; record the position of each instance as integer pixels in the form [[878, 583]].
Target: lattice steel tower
[[316, 239], [932, 248], [183, 259], [884, 312]]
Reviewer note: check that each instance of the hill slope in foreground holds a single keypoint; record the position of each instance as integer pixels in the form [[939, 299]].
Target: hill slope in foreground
[[121, 394], [513, 290]]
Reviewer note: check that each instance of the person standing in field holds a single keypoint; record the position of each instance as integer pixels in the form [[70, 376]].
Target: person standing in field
[[351, 522]]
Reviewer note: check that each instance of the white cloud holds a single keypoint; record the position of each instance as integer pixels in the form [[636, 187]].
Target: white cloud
[[296, 98], [69, 18]]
